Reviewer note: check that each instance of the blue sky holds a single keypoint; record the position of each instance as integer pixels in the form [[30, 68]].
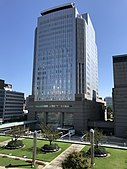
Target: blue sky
[[18, 20]]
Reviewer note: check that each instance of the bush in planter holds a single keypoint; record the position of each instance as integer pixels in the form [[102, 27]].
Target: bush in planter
[[75, 160], [51, 147], [15, 144], [98, 151]]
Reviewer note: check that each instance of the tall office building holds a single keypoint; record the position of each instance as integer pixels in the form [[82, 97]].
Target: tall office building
[[120, 95], [65, 56], [65, 71]]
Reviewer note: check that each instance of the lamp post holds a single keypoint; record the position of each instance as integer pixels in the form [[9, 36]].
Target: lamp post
[[69, 134], [34, 148], [92, 147]]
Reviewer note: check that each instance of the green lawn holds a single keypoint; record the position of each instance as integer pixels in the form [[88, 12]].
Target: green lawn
[[4, 138], [15, 163], [27, 150], [117, 159]]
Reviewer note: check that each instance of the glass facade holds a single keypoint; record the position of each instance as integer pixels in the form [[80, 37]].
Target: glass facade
[[41, 117], [65, 56], [55, 56], [68, 119], [55, 119]]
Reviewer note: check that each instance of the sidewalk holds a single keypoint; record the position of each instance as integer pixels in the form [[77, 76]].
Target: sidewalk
[[56, 163], [3, 143]]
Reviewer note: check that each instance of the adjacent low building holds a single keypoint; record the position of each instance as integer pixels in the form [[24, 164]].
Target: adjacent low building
[[11, 103]]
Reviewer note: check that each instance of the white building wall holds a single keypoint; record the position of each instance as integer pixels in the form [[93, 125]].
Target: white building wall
[[91, 59]]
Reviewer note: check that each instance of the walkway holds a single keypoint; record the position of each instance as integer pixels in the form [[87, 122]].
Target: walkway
[[56, 163], [3, 143]]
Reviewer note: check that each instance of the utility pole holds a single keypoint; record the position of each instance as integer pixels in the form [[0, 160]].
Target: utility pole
[[92, 147], [34, 148]]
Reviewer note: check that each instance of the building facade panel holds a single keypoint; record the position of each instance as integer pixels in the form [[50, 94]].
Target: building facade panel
[[120, 95]]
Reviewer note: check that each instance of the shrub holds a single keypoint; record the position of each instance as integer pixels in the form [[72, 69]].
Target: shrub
[[15, 144], [75, 160], [51, 147], [98, 151]]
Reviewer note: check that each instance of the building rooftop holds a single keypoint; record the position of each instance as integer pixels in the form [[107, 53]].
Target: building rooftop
[[122, 55], [120, 58], [58, 8]]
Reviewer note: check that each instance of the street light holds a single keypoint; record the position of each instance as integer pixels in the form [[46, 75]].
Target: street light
[[92, 147], [34, 148]]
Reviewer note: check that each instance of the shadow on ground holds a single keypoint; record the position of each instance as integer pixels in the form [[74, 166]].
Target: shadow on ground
[[20, 165], [38, 150]]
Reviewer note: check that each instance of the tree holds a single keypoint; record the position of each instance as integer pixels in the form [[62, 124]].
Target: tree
[[98, 136], [75, 160], [49, 134], [16, 132], [109, 112], [109, 109], [98, 150]]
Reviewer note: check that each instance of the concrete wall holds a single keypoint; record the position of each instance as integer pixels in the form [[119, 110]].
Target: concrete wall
[[82, 111], [120, 111], [120, 95]]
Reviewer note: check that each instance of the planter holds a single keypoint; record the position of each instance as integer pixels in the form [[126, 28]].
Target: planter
[[16, 144], [50, 148], [101, 155], [11, 148], [98, 152]]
